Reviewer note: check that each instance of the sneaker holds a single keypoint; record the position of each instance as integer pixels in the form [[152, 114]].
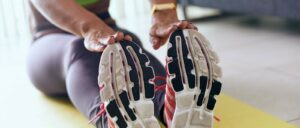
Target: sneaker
[[126, 89], [192, 81]]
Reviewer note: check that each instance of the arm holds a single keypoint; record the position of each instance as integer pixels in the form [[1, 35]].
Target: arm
[[71, 17], [164, 22]]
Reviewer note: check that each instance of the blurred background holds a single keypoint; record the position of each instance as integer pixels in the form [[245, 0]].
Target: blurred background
[[258, 42]]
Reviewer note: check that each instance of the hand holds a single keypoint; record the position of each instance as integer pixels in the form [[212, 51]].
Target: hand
[[97, 40], [163, 24]]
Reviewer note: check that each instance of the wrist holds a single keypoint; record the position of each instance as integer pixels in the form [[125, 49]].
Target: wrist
[[162, 8]]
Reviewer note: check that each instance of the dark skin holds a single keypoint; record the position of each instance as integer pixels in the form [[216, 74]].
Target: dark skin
[[97, 34], [163, 24]]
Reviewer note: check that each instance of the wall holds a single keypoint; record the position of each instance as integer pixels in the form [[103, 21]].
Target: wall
[[13, 21]]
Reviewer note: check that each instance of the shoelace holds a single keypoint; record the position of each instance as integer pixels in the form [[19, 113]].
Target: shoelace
[[160, 87], [102, 109], [163, 87], [99, 114], [156, 88]]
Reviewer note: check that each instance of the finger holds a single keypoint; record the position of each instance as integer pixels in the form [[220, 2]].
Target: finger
[[93, 46], [162, 41], [195, 27], [156, 46], [128, 37], [191, 26], [98, 47], [164, 38], [171, 30], [87, 45], [107, 40], [153, 31], [183, 24], [111, 40], [163, 32], [159, 44], [155, 42], [101, 49], [119, 36]]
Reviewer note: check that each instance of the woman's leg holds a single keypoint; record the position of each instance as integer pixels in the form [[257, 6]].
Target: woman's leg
[[45, 63], [59, 59]]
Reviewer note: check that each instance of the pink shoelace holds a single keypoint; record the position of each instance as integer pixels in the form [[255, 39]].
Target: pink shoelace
[[156, 88], [102, 109], [98, 115], [163, 87]]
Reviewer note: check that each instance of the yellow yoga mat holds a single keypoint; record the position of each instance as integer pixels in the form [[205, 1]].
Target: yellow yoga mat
[[235, 114]]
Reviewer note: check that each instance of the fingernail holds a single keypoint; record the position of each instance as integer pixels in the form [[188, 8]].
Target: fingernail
[[156, 45], [116, 34], [175, 27], [111, 40], [99, 48]]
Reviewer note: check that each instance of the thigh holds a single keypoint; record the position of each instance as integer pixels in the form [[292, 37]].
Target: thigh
[[45, 63], [81, 78]]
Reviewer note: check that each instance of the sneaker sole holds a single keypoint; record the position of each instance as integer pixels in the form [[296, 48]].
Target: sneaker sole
[[194, 75], [126, 88]]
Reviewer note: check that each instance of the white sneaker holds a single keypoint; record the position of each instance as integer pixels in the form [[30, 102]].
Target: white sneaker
[[192, 81], [125, 86]]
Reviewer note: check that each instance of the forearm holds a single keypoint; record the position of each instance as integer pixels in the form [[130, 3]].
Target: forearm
[[69, 16]]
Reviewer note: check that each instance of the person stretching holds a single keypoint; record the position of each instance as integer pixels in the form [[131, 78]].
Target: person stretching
[[78, 51]]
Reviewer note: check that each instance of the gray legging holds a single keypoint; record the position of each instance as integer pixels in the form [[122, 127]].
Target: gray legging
[[59, 65]]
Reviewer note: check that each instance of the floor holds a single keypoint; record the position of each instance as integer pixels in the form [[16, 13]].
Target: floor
[[234, 113], [260, 60]]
